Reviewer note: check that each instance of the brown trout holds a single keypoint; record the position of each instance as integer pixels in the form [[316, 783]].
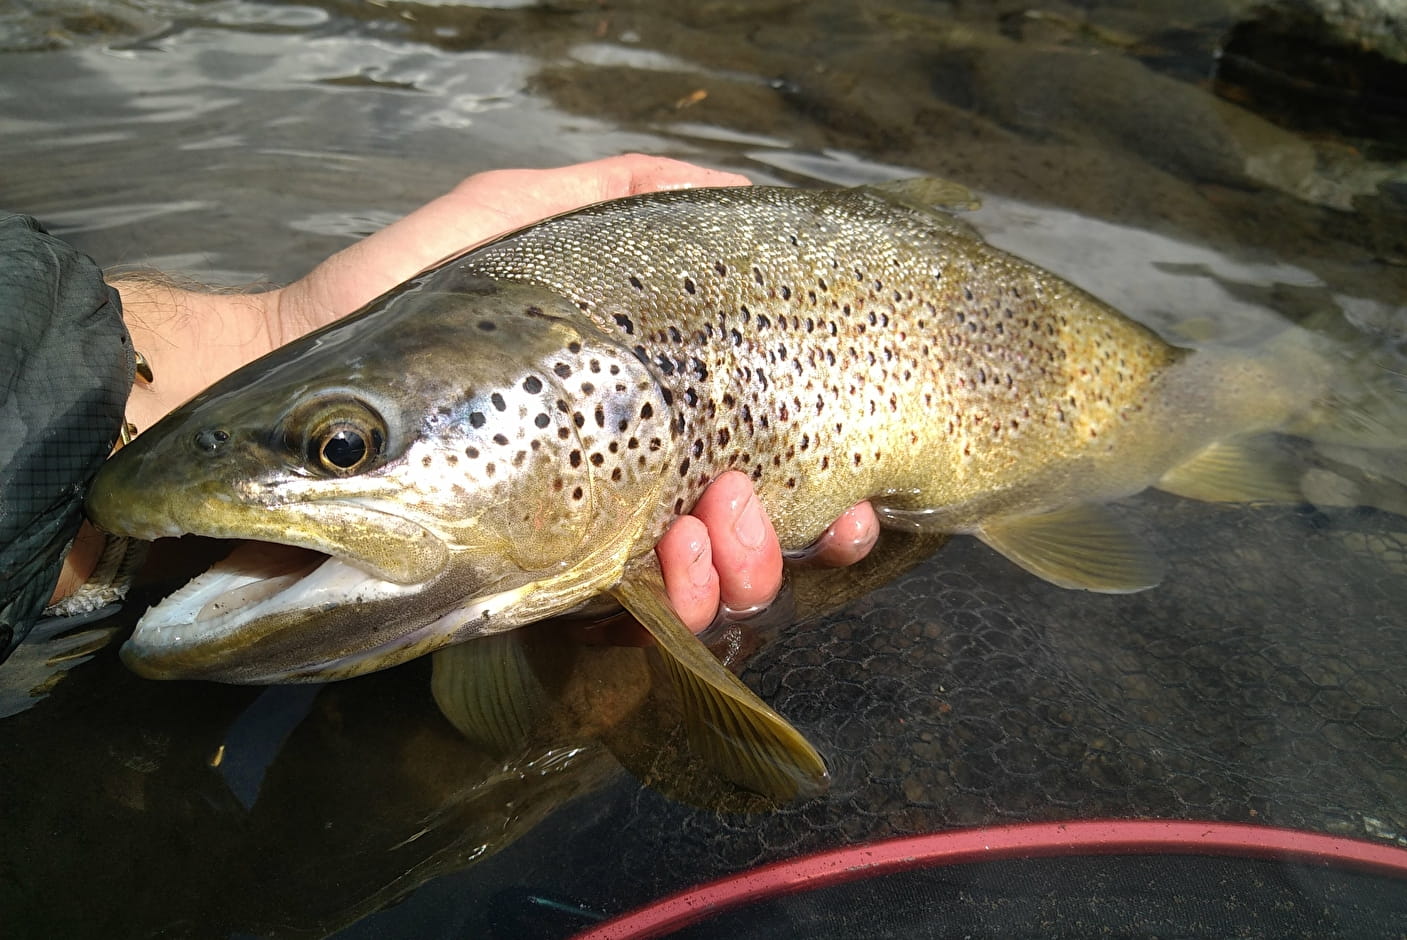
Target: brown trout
[[505, 437]]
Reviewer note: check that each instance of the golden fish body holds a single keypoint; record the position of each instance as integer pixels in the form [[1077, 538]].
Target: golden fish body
[[507, 435]]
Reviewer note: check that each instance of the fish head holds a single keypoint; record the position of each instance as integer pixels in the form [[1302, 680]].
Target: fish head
[[461, 457]]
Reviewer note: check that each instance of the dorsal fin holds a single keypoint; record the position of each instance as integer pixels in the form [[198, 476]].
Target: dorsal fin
[[928, 194], [935, 199]]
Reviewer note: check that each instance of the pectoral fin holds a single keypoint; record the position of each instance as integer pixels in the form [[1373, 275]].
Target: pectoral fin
[[487, 689], [730, 727], [1235, 471], [1081, 547]]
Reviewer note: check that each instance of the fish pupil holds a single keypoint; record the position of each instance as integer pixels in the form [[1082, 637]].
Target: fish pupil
[[344, 449]]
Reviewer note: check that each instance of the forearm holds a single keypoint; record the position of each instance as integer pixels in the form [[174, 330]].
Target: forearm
[[189, 339]]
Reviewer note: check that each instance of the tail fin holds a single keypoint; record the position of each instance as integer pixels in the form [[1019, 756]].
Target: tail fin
[[1364, 404]]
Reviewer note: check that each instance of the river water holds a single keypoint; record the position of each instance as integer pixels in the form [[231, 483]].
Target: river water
[[1263, 682]]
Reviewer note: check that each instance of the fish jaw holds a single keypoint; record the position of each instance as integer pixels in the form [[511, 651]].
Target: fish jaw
[[266, 613], [214, 626]]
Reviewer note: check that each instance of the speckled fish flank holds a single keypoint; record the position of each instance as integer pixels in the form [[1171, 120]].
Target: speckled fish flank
[[506, 436]]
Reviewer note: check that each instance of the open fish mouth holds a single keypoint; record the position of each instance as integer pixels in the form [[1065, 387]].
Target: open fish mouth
[[243, 598]]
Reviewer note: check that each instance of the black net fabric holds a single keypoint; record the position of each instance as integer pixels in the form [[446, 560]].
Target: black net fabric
[[65, 371], [1260, 683], [1121, 896]]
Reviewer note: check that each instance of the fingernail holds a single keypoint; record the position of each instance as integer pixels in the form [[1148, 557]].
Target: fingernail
[[750, 526]]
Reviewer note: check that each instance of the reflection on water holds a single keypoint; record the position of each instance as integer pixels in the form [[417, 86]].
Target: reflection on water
[[1263, 681]]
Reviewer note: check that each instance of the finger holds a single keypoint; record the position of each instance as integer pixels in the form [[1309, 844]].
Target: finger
[[644, 174], [849, 538], [690, 579], [746, 553]]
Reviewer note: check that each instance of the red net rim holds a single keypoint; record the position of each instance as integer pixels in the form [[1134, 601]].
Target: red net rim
[[999, 843]]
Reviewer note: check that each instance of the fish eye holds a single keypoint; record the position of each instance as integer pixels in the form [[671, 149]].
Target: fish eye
[[344, 438]]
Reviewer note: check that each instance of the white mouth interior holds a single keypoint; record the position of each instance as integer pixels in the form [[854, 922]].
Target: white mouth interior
[[256, 580]]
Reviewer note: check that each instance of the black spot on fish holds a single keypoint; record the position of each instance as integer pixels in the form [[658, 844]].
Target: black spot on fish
[[625, 323], [597, 459], [542, 420], [574, 347], [635, 283], [472, 453], [533, 310], [562, 370], [615, 475], [600, 416], [587, 388], [476, 419], [689, 285], [488, 326], [577, 493], [721, 268], [532, 385], [578, 419], [684, 467], [498, 401], [500, 440], [667, 395], [575, 458]]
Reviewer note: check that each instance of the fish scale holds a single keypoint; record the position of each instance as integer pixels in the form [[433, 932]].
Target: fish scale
[[841, 337]]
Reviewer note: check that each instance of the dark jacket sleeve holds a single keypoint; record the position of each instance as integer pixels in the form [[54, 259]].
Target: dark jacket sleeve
[[65, 373]]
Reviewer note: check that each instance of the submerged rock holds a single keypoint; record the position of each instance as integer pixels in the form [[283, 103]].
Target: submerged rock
[[1322, 66]]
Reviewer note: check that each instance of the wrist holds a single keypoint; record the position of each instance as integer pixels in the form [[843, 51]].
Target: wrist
[[189, 339]]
